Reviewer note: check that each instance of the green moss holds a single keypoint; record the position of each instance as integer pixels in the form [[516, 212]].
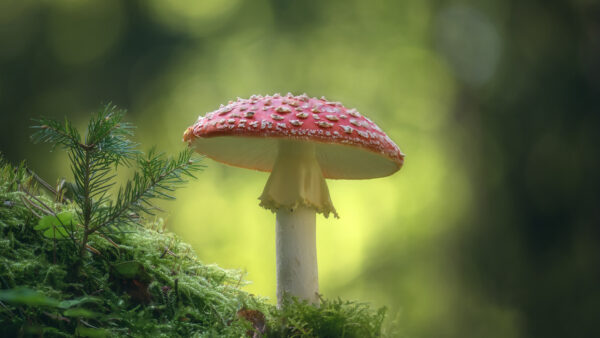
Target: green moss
[[139, 281], [333, 318]]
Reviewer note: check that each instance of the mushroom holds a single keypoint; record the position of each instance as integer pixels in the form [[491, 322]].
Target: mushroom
[[301, 141]]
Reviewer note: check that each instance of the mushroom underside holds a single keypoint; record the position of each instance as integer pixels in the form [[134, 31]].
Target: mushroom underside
[[337, 161]]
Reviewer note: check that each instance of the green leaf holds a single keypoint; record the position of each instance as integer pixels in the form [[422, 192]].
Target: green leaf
[[45, 223], [63, 218], [55, 226], [131, 270], [65, 304], [57, 232], [81, 313], [83, 331], [25, 296]]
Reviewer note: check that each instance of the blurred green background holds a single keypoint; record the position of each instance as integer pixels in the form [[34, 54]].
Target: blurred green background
[[492, 227]]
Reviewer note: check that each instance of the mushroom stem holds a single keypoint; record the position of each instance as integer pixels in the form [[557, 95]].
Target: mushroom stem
[[297, 180], [296, 248], [296, 190]]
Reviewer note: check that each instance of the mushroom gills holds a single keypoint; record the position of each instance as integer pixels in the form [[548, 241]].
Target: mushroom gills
[[337, 161], [297, 180]]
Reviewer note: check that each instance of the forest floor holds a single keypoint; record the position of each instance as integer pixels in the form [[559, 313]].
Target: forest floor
[[139, 281]]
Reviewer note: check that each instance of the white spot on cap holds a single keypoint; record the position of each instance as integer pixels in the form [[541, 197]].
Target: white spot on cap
[[249, 114], [363, 134], [327, 109], [225, 110], [353, 112], [277, 117], [266, 124], [301, 115], [347, 129], [331, 117], [283, 110], [296, 123], [324, 124]]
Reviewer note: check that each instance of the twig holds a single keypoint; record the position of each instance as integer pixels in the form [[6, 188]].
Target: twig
[[46, 185], [164, 252], [87, 324], [239, 283], [97, 292], [92, 249], [168, 251], [7, 309], [25, 201], [110, 241], [177, 290], [48, 210]]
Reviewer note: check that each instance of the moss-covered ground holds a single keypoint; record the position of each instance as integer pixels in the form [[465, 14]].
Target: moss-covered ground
[[141, 281]]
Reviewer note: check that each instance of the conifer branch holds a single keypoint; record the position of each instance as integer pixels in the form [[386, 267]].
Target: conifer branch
[[157, 178], [105, 146]]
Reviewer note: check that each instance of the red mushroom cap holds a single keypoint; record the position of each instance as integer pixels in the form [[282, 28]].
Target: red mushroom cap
[[244, 134]]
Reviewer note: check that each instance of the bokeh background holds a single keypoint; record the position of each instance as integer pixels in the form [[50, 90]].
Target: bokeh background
[[492, 227]]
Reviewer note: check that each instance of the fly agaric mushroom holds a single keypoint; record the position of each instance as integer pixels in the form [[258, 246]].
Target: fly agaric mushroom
[[301, 141]]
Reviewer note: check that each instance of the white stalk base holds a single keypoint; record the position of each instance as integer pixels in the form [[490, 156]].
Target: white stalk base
[[296, 254]]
